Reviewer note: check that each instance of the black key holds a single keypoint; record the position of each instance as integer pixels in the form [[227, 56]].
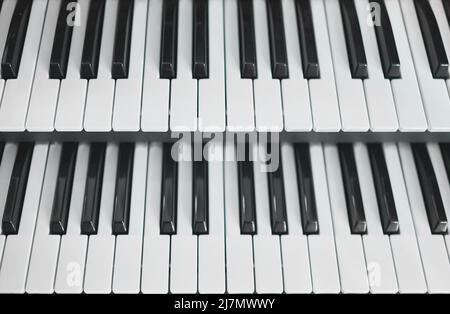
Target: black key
[[168, 221], [169, 40], [246, 186], [61, 44], [437, 58], [310, 60], [355, 47], [15, 39], [1, 4], [122, 195], [383, 188], [277, 40], [200, 215], [2, 148], [122, 40], [355, 208], [247, 40], [386, 44], [430, 189], [445, 151], [17, 188], [63, 190], [200, 56], [277, 201], [308, 207], [93, 189], [446, 4], [92, 40]]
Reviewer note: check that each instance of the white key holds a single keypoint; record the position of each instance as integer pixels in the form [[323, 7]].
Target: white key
[[100, 94], [350, 91], [239, 93], [294, 90], [155, 99], [44, 254], [16, 96], [211, 92], [324, 102], [432, 247], [352, 266], [380, 264], [72, 252], [17, 250], [294, 246], [211, 247], [72, 92], [128, 257], [183, 98], [100, 254], [239, 248], [434, 92], [127, 101], [380, 102], [156, 248]]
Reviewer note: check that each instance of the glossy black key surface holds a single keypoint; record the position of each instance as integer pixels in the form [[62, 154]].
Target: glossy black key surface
[[446, 4], [386, 43], [17, 188], [169, 193], [308, 49], [169, 40], [307, 197], [63, 189], [246, 186], [92, 40], [247, 39], [277, 201], [277, 39], [200, 211], [93, 189], [122, 195], [200, 55], [355, 47], [437, 58], [434, 206], [61, 43], [15, 39], [445, 151], [122, 40], [2, 148], [383, 188], [355, 207]]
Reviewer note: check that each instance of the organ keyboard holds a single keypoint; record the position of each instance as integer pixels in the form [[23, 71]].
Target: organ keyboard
[[351, 193]]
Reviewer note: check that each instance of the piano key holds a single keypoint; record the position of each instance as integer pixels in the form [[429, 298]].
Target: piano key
[[101, 247], [308, 209], [169, 40], [200, 41], [247, 199], [277, 202], [294, 246], [169, 194], [239, 248], [62, 43], [128, 254], [349, 85], [277, 40], [93, 192], [433, 42], [155, 267], [17, 188], [2, 149], [15, 40], [63, 190], [5, 19], [349, 245], [122, 41], [247, 40], [100, 94], [383, 188], [92, 40], [355, 207], [128, 93], [445, 151], [310, 60], [45, 248], [446, 6], [239, 92], [17, 249], [432, 246], [122, 193], [200, 209], [377, 248]]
